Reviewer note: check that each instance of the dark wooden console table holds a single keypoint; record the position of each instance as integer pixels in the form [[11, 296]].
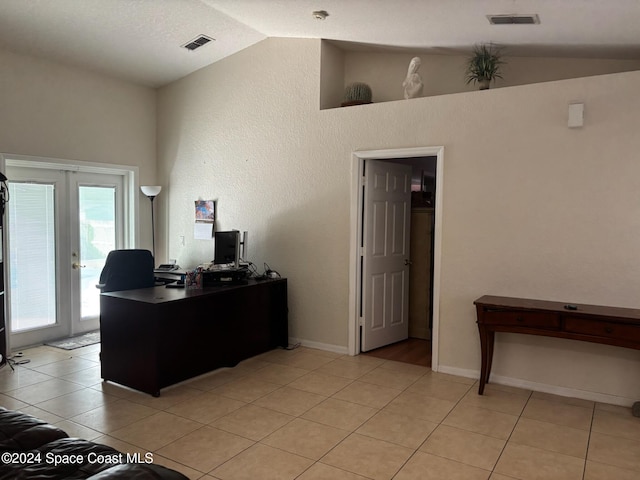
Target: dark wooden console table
[[589, 323], [154, 337]]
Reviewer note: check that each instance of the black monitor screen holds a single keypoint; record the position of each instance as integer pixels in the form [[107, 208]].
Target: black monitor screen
[[226, 247]]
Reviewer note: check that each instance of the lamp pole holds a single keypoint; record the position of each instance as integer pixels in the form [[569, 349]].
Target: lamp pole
[[152, 192], [153, 231]]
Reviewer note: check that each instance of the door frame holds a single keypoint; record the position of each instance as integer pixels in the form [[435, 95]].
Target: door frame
[[355, 281], [130, 178]]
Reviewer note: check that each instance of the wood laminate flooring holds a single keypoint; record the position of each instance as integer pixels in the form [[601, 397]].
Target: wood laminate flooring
[[413, 350]]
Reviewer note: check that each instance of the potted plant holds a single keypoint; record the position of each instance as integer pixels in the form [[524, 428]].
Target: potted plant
[[484, 65], [356, 93]]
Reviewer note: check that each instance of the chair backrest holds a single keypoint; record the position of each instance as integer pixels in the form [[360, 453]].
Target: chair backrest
[[126, 270]]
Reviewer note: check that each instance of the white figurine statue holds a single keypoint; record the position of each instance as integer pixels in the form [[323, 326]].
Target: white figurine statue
[[413, 83]]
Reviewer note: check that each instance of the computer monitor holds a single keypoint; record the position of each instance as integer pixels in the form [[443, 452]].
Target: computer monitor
[[227, 248]]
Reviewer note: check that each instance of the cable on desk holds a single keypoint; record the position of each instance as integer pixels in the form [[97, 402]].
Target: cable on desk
[[268, 273]]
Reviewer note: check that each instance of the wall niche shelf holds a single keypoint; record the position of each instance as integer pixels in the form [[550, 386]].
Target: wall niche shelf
[[342, 63]]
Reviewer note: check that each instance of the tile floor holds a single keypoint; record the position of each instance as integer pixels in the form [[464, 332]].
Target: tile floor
[[309, 415]]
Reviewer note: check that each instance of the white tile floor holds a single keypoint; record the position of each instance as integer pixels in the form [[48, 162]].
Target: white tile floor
[[307, 414]]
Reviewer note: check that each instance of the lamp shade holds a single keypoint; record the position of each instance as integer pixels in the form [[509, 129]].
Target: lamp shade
[[151, 190]]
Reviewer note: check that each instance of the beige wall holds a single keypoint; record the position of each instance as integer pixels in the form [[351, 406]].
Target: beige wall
[[50, 110], [445, 74], [531, 208]]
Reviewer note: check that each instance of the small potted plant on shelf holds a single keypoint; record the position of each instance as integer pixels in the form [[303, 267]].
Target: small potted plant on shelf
[[484, 65], [357, 93]]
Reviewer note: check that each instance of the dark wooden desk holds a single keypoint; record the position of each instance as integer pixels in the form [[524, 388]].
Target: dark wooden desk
[[154, 337], [588, 323]]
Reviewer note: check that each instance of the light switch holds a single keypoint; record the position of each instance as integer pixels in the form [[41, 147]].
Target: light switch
[[576, 115]]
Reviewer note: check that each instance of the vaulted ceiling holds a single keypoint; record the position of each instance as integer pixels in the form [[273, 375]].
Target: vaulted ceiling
[[141, 40]]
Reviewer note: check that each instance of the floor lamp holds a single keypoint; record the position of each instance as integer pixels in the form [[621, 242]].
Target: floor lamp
[[152, 192]]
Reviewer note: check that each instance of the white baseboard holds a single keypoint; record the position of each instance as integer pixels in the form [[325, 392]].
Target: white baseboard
[[320, 346], [542, 387], [460, 372]]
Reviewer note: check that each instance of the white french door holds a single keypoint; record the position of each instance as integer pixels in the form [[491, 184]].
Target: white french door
[[62, 223]]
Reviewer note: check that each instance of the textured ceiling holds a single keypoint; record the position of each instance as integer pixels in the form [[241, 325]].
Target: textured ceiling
[[140, 40]]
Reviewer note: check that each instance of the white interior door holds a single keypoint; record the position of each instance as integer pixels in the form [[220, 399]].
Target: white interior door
[[385, 266], [61, 225]]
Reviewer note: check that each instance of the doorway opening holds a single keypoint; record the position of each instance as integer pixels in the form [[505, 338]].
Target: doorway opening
[[421, 346]]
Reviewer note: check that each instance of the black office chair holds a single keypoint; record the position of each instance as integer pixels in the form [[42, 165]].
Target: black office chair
[[126, 270]]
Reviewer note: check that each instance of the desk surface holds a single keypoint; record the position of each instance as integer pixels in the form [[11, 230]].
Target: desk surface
[[158, 295]]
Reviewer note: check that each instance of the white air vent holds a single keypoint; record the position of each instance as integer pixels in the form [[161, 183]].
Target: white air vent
[[197, 42], [514, 19]]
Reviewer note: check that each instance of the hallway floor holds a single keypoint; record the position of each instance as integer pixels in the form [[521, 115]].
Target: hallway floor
[[415, 351]]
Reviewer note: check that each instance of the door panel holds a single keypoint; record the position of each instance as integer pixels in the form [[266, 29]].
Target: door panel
[[378, 233], [32, 255], [376, 319], [398, 289], [97, 237], [400, 219], [60, 223], [97, 204], [387, 201]]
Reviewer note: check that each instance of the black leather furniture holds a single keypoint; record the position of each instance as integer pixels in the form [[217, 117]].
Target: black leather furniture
[[31, 449], [126, 270]]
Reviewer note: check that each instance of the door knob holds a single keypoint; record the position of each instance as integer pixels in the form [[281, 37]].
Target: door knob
[[76, 265], [407, 261]]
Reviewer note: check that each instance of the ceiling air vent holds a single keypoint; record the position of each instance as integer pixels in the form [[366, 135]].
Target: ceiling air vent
[[513, 19], [197, 42]]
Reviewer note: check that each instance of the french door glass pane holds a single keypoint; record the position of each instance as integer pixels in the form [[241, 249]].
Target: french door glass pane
[[32, 257], [97, 221]]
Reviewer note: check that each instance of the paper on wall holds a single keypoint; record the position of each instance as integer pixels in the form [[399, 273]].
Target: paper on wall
[[202, 231]]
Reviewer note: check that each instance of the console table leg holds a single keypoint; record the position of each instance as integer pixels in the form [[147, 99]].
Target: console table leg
[[486, 340], [490, 343]]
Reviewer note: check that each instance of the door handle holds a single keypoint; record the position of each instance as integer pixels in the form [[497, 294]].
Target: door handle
[[76, 265], [407, 261]]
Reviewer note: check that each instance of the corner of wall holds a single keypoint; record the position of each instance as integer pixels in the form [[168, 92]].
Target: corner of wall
[[331, 75]]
